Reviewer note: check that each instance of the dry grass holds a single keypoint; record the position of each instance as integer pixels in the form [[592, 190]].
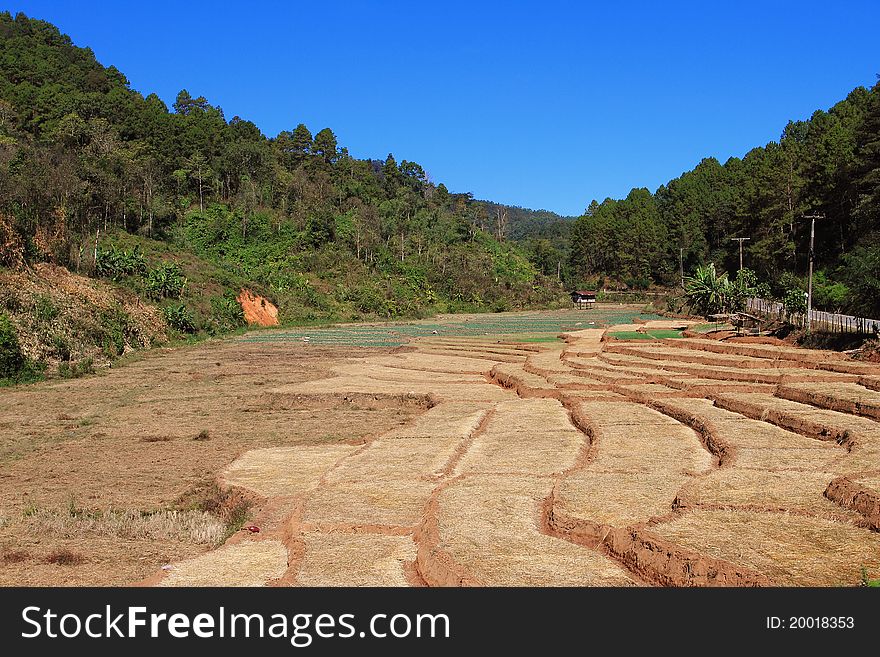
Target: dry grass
[[398, 458], [280, 471], [759, 445], [364, 384], [772, 352], [479, 356], [433, 363], [489, 526], [513, 375], [792, 550], [481, 349], [548, 361], [872, 482], [576, 381], [249, 563], [652, 390], [663, 352], [355, 560], [197, 527], [803, 418], [634, 438], [403, 374], [446, 419], [618, 499], [603, 394], [14, 556], [385, 502], [532, 436], [83, 438], [791, 491]]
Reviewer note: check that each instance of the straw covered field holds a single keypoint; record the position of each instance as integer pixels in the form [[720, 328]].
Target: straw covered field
[[520, 449]]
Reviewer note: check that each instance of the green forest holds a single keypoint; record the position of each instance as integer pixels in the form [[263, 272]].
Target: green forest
[[828, 166], [93, 176]]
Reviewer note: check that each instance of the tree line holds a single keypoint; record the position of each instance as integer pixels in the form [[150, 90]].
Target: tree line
[[828, 165]]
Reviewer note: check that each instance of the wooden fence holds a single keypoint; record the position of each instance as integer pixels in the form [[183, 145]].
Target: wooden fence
[[819, 319]]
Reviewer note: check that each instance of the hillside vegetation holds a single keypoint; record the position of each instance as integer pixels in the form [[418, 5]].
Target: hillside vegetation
[[184, 207], [828, 165]]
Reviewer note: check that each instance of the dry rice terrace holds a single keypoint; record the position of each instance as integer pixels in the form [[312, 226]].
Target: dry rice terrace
[[476, 455]]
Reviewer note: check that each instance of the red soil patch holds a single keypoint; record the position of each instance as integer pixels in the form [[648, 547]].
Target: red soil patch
[[257, 310]]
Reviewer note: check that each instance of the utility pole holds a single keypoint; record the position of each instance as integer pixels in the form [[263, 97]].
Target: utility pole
[[812, 218], [681, 265], [740, 240]]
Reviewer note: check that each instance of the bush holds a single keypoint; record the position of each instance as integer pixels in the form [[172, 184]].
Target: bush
[[794, 301], [227, 313], [116, 263], [179, 318], [166, 281], [12, 360], [76, 370]]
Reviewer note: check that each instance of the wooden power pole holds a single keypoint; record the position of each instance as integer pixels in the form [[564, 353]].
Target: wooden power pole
[[812, 218], [740, 240]]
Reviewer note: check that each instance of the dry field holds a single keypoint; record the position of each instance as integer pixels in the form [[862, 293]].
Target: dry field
[[453, 460]]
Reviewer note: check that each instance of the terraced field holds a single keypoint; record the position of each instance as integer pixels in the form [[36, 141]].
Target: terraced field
[[682, 462]]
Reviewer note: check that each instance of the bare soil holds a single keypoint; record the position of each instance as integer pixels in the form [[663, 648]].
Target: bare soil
[[127, 440]]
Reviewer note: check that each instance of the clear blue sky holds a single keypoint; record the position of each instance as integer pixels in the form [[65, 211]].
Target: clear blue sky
[[540, 104]]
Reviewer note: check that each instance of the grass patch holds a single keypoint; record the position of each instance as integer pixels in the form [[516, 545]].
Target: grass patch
[[75, 370], [866, 581], [656, 334], [229, 509], [193, 526]]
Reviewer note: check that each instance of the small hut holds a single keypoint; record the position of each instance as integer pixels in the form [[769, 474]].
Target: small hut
[[583, 299]]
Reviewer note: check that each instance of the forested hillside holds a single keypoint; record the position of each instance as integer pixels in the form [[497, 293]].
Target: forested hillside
[[91, 169], [828, 165]]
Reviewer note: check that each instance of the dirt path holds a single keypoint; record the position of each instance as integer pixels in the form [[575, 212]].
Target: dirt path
[[589, 463]]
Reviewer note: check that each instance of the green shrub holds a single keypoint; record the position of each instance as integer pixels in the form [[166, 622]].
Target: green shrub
[[179, 318], [794, 301], [60, 348], [226, 312], [12, 360], [166, 281], [116, 263], [74, 370], [44, 308]]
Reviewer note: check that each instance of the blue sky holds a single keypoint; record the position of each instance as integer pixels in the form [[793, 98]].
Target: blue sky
[[539, 104]]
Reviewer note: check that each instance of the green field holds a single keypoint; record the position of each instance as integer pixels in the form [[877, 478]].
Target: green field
[[656, 334], [541, 326]]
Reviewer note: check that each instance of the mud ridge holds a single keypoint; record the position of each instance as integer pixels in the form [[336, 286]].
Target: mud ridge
[[465, 445], [829, 402], [653, 559], [854, 496], [804, 427], [434, 565]]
